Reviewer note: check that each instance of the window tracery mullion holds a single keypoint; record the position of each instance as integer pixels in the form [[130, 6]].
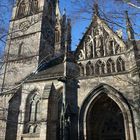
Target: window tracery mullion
[[33, 111], [37, 108]]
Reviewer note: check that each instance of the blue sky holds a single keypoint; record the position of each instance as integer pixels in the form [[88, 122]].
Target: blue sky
[[113, 10], [79, 24]]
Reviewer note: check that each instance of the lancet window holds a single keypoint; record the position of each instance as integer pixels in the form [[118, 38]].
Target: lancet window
[[99, 67], [20, 49], [32, 115], [89, 69], [110, 66], [120, 65], [81, 69], [57, 36]]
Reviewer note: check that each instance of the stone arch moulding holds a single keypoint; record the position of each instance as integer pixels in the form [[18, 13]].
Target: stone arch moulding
[[121, 102]]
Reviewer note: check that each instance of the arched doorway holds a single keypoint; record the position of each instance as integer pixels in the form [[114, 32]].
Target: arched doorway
[[104, 120], [103, 110]]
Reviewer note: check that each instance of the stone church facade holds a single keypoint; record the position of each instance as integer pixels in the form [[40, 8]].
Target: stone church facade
[[52, 93]]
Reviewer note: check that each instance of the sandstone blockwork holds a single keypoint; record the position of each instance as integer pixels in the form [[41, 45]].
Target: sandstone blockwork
[[52, 93]]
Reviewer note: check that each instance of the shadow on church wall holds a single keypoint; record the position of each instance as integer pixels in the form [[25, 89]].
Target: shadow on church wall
[[12, 119]]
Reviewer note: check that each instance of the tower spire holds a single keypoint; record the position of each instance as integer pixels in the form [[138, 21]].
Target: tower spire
[[57, 9], [130, 31], [130, 34]]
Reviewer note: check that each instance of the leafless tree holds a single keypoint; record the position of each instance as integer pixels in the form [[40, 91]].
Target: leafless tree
[[5, 10], [111, 11]]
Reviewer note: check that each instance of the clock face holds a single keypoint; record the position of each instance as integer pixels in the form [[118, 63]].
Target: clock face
[[24, 25]]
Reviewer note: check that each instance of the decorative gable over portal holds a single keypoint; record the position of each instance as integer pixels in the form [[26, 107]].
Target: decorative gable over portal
[[100, 41]]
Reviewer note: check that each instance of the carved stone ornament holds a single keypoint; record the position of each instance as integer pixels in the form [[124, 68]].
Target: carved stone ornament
[[98, 38], [24, 25], [98, 41], [108, 45], [88, 48], [82, 55]]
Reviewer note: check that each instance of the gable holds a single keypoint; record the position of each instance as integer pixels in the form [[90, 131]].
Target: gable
[[99, 40]]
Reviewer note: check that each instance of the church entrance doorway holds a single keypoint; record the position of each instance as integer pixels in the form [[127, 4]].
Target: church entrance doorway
[[104, 120]]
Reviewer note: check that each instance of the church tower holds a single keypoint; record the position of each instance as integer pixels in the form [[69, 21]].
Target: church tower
[[30, 39]]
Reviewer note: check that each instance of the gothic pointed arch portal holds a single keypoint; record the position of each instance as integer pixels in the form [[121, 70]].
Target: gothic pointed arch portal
[[106, 115], [105, 120]]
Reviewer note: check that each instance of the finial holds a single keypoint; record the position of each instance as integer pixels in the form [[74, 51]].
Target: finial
[[130, 31], [57, 3], [57, 9], [68, 32], [127, 19], [96, 9]]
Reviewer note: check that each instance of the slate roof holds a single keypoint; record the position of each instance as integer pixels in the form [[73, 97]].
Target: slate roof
[[51, 69], [53, 62], [51, 72]]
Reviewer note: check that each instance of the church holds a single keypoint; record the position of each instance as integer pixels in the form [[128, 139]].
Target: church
[[50, 92]]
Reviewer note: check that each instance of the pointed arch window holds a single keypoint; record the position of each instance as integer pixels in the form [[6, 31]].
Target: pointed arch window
[[120, 65], [34, 108], [32, 114], [34, 6], [37, 110], [110, 66], [57, 36], [99, 67], [89, 69], [20, 49], [81, 69], [21, 9]]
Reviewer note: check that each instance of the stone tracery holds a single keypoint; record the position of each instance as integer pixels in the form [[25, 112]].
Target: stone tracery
[[89, 45], [32, 113], [89, 69], [110, 66], [100, 68], [81, 69], [22, 9], [120, 65], [34, 6], [98, 43]]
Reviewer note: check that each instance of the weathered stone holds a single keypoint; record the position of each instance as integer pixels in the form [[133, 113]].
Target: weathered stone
[[93, 92]]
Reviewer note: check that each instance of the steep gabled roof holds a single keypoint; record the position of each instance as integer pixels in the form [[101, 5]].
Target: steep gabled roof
[[111, 32], [51, 72], [98, 21]]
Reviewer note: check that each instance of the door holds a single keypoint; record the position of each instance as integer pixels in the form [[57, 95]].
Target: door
[[104, 120]]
